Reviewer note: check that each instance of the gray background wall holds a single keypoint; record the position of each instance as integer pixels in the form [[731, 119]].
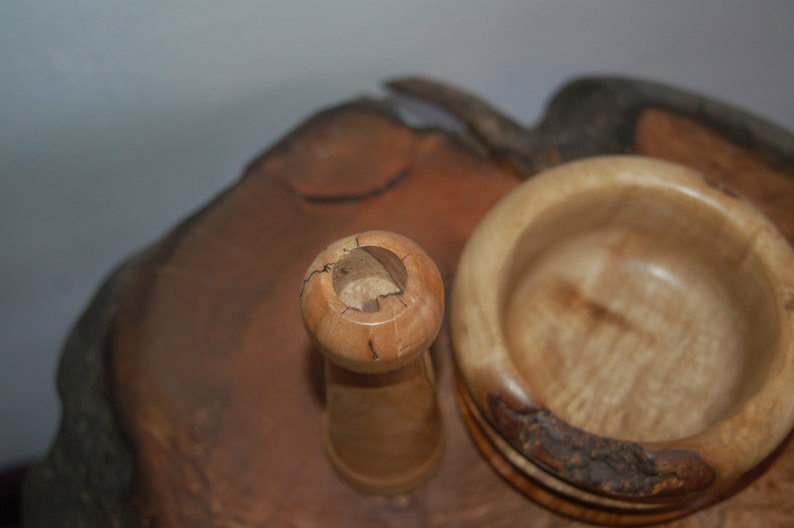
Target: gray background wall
[[119, 118]]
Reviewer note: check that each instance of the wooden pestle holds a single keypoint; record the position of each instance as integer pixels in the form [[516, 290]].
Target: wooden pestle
[[373, 303]]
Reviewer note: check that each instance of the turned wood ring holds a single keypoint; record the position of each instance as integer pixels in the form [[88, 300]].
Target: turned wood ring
[[380, 332], [624, 334]]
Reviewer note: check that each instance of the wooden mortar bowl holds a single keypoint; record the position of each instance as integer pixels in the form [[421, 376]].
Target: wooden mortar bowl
[[624, 334]]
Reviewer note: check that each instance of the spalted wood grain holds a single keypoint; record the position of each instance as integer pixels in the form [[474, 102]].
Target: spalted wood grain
[[214, 382]]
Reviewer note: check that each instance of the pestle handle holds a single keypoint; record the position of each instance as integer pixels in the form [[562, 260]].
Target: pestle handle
[[373, 303]]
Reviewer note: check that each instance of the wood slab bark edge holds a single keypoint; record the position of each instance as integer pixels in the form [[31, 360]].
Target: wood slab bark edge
[[89, 474]]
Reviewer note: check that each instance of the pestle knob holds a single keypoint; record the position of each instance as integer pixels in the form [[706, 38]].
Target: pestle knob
[[373, 303]]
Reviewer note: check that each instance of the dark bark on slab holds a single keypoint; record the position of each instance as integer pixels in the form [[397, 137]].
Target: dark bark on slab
[[608, 466], [87, 477]]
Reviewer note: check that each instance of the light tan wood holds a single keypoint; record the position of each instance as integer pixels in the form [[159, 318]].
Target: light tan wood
[[373, 303], [624, 332]]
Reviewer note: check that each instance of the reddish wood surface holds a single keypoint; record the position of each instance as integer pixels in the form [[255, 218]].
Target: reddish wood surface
[[217, 383], [218, 386], [219, 391], [683, 140]]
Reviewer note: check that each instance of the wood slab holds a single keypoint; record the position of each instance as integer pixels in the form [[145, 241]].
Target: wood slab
[[192, 396]]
